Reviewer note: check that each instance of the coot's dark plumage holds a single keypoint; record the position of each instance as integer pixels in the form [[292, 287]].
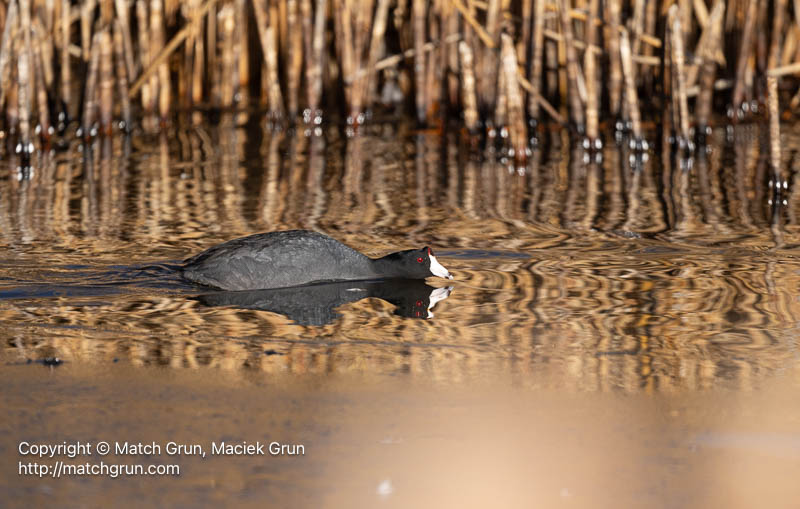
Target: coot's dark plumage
[[297, 257]]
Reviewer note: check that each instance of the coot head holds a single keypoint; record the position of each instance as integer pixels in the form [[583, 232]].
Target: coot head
[[416, 264]]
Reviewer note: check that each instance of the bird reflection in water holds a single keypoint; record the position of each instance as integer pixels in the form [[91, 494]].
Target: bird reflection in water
[[315, 304]]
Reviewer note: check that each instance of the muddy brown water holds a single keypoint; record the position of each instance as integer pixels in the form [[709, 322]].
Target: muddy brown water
[[622, 330]]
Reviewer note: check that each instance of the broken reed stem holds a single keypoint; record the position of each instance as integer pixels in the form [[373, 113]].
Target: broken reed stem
[[469, 96], [144, 52], [744, 52], [631, 98], [515, 108], [122, 73], [679, 71]]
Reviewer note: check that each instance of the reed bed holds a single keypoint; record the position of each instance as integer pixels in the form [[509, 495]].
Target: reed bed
[[501, 68]]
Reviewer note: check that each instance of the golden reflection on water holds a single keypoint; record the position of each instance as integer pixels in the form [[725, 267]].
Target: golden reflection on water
[[621, 271]]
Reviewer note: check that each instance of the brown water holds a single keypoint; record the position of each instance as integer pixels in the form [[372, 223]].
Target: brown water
[[622, 331]]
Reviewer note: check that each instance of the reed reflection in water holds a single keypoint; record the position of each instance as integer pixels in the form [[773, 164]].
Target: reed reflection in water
[[611, 269]]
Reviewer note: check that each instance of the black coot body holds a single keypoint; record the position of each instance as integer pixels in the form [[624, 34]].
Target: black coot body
[[298, 257]]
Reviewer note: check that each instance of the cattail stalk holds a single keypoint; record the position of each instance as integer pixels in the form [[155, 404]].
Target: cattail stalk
[[123, 17]]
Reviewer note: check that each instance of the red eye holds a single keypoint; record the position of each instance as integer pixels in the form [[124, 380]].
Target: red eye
[[420, 260], [419, 303]]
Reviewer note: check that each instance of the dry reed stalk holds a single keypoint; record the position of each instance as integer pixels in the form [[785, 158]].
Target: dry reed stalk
[[199, 59], [631, 99], [375, 48], [122, 73], [160, 82], [227, 73], [708, 65], [242, 51], [211, 54], [614, 64], [536, 51], [144, 55], [774, 126], [418, 23], [468, 93], [66, 72], [451, 26], [679, 72], [592, 99], [500, 99], [523, 44], [87, 13], [123, 16], [744, 53], [44, 47], [778, 14], [90, 92], [516, 112], [269, 44], [294, 58], [637, 25], [106, 78], [24, 71], [306, 20], [6, 50], [314, 73], [41, 94], [489, 79], [573, 70]]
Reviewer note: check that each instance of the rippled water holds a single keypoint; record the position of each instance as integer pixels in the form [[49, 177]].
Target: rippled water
[[578, 272]]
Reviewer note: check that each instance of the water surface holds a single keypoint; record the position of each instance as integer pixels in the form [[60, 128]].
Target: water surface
[[611, 315]]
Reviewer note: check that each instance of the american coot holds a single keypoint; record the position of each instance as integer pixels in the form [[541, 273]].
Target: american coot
[[315, 304], [297, 257]]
